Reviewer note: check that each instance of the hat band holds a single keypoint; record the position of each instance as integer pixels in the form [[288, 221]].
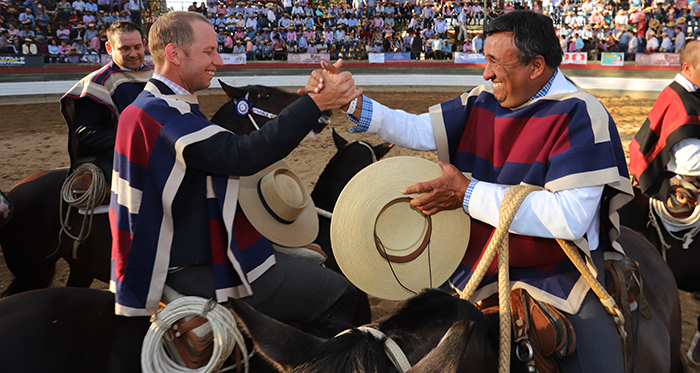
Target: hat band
[[416, 253], [268, 208]]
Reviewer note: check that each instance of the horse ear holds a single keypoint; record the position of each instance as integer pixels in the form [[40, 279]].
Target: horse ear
[[339, 141], [282, 345], [232, 92], [381, 149], [448, 354]]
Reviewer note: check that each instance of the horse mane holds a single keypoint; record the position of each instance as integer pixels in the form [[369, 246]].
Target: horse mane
[[431, 306], [353, 351]]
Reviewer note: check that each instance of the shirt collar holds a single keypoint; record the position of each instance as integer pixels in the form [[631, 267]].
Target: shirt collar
[[174, 87], [543, 92], [687, 84]]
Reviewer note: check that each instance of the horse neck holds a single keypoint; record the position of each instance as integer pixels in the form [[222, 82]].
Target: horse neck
[[422, 321], [345, 164]]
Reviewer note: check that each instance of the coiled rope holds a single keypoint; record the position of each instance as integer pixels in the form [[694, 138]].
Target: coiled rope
[[87, 201], [499, 244], [224, 330], [658, 207]]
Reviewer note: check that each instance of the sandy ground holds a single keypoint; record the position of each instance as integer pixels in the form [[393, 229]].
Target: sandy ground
[[33, 138]]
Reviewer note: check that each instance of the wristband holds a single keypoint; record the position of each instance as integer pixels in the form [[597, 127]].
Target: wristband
[[352, 107]]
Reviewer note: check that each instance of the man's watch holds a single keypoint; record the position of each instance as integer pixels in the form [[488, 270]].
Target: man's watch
[[352, 107]]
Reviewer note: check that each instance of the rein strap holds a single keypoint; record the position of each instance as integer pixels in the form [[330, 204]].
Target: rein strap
[[393, 351]]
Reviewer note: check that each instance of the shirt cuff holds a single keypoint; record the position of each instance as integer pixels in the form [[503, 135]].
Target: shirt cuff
[[468, 195], [362, 125]]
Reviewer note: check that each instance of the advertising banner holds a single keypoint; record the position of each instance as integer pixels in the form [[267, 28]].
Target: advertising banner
[[578, 58], [612, 59], [462, 57], [398, 56], [21, 61], [657, 59], [309, 58], [375, 57], [233, 59]]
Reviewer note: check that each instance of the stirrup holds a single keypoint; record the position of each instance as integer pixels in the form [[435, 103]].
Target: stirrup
[[692, 347]]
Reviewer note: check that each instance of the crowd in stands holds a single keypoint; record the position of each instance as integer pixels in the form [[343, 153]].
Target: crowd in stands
[[430, 29], [63, 31]]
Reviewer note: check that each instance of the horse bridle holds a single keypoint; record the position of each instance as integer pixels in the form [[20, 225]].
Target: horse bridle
[[329, 215], [254, 110], [266, 114], [391, 348]]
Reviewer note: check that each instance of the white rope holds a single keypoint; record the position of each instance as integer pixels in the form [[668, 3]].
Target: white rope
[[391, 348], [224, 331], [323, 213], [660, 209], [88, 201]]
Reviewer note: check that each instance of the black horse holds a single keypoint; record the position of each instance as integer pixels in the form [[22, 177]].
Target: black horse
[[440, 333], [32, 257]]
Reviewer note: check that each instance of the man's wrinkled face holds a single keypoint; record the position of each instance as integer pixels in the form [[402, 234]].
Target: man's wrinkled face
[[127, 49], [508, 75]]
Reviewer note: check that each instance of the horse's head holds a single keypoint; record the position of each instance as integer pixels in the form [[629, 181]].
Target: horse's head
[[435, 331], [346, 163], [5, 208], [265, 104]]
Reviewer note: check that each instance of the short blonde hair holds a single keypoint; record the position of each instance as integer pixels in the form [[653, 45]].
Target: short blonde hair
[[172, 28]]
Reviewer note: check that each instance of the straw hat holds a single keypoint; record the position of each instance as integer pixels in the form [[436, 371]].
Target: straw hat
[[654, 23], [680, 20], [382, 243], [277, 204]]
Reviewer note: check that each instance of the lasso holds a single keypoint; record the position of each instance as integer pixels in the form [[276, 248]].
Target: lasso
[[87, 201], [658, 207], [225, 334]]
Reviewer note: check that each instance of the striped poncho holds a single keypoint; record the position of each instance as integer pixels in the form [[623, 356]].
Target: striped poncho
[[164, 212], [674, 117], [109, 86]]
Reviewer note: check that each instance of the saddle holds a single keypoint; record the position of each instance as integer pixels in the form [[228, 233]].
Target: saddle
[[190, 341], [542, 334], [624, 283]]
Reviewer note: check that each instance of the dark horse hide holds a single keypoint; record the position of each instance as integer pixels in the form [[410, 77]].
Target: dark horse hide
[[683, 262], [431, 316], [5, 208], [30, 239]]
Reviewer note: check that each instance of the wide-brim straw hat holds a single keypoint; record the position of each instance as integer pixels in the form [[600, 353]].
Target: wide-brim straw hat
[[279, 206], [680, 20], [383, 245], [654, 23]]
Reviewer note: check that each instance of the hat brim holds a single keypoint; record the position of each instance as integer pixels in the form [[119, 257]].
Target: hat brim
[[302, 231], [356, 213]]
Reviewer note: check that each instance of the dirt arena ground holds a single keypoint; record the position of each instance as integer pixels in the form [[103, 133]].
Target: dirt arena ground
[[33, 138]]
